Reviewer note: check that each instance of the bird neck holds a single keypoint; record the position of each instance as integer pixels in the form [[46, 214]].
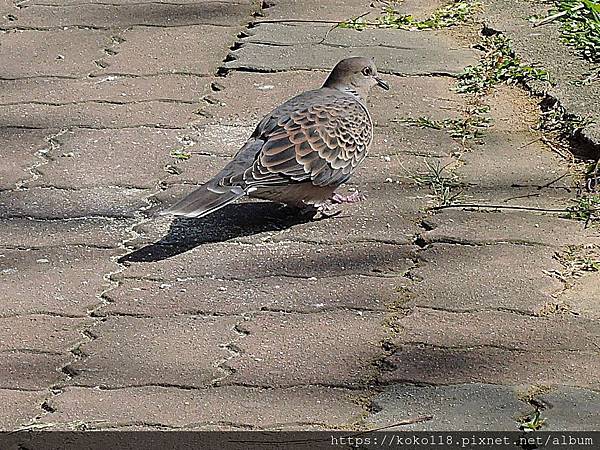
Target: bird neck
[[349, 89]]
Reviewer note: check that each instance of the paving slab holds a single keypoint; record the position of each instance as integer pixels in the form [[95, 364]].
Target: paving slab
[[19, 154], [206, 296], [473, 407], [543, 46], [41, 333], [279, 47], [52, 3], [170, 52], [434, 365], [155, 113], [68, 280], [570, 409], [130, 14], [260, 408], [61, 53], [582, 297], [253, 261], [485, 277], [31, 371], [330, 348], [50, 203], [527, 227], [181, 351], [107, 89], [98, 232], [334, 10], [18, 407], [497, 329], [107, 154]]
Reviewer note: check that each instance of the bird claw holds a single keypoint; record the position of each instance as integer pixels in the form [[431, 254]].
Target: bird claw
[[355, 197]]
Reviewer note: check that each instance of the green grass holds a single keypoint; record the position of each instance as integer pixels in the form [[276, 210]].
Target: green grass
[[586, 208], [470, 128], [581, 28], [180, 154], [533, 422], [498, 65], [441, 181], [454, 13]]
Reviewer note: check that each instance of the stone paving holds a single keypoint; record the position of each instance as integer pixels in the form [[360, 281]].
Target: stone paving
[[253, 318]]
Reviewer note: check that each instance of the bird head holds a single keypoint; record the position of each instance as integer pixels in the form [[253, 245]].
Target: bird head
[[356, 75]]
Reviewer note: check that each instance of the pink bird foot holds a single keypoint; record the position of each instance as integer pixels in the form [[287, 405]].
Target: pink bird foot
[[355, 197]]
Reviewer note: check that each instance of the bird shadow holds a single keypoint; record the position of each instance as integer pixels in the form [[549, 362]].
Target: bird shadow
[[232, 221]]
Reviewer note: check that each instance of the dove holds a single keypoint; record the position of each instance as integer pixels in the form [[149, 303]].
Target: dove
[[300, 152]]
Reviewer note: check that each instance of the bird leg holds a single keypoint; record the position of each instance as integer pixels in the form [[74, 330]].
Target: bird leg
[[355, 197]]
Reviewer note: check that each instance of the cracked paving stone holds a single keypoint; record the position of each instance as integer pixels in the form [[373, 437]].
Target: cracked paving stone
[[277, 47], [110, 88], [53, 280], [61, 53], [502, 276], [330, 348], [474, 407], [170, 51], [497, 329], [333, 10], [506, 226], [408, 96], [31, 371], [246, 261], [133, 14], [29, 233], [41, 333], [582, 297], [180, 351], [435, 365], [19, 148], [108, 155], [570, 409], [152, 114], [193, 296], [18, 407], [48, 203], [211, 408]]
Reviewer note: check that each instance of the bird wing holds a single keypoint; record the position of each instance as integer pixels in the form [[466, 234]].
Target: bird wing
[[322, 142]]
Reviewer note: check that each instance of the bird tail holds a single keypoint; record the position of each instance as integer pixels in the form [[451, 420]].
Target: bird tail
[[205, 200]]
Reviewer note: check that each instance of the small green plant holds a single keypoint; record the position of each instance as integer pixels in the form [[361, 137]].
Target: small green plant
[[469, 128], [456, 12], [586, 208], [533, 422], [180, 154], [498, 65], [580, 26], [441, 182]]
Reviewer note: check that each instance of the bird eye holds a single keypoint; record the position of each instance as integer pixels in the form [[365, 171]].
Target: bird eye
[[367, 71]]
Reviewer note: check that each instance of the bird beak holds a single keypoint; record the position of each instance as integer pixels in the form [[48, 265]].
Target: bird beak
[[382, 83]]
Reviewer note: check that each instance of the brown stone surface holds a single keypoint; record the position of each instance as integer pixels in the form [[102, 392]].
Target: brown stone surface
[[418, 364], [41, 333], [583, 297], [331, 348], [49, 203], [131, 14], [28, 233], [494, 277], [31, 371], [232, 261], [60, 280], [19, 148], [108, 155], [108, 89], [209, 408], [174, 50], [334, 10], [60, 53], [156, 114], [498, 329], [182, 351], [207, 296], [18, 407], [506, 226]]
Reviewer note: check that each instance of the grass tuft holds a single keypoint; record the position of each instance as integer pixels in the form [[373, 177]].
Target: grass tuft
[[580, 26]]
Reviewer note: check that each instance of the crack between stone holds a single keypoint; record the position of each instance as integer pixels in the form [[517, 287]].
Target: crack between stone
[[101, 102]]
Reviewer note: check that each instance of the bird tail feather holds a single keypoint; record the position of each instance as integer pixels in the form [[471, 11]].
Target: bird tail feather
[[204, 201]]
